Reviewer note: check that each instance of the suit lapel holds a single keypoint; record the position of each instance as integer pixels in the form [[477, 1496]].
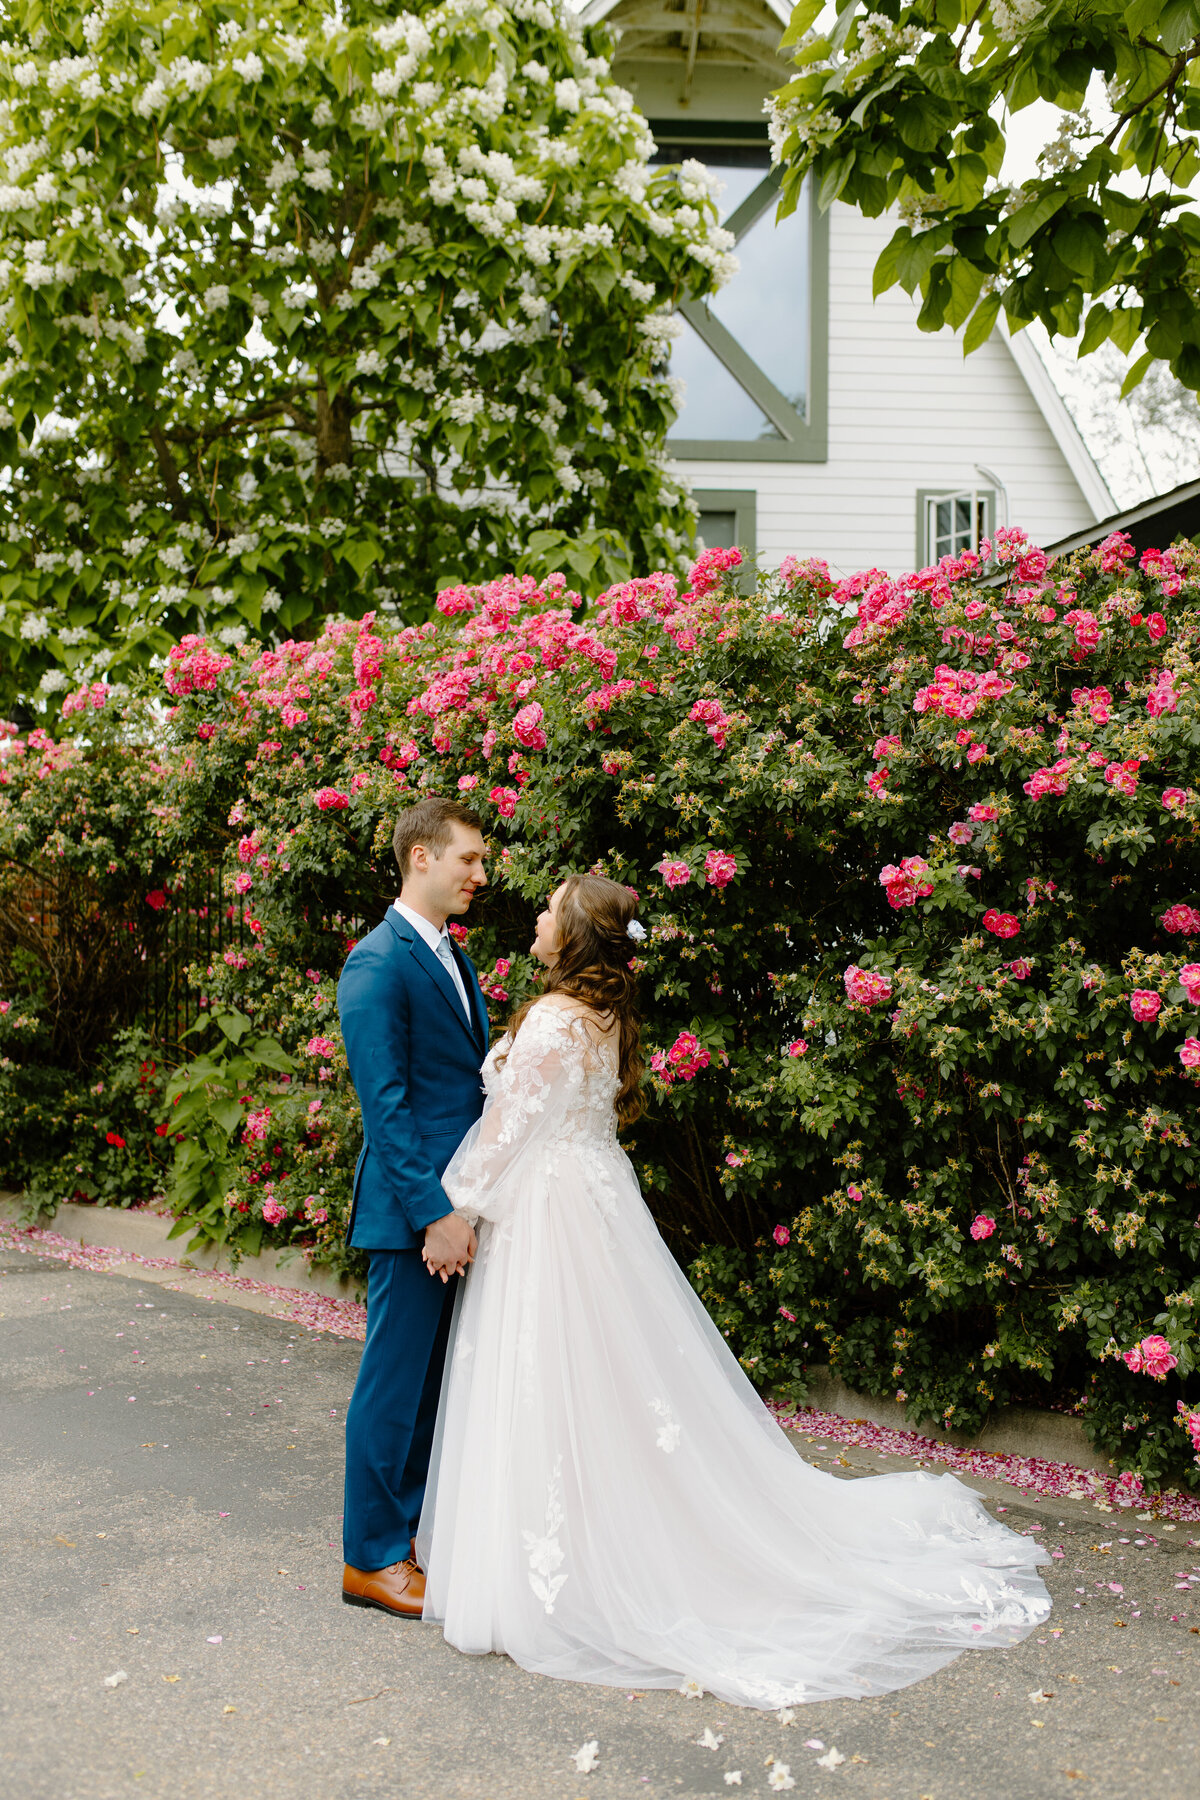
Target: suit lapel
[[474, 994], [433, 967]]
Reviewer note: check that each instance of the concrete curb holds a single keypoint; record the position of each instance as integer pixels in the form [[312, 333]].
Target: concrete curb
[[1013, 1431], [144, 1232]]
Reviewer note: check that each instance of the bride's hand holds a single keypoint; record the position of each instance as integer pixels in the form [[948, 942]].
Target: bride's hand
[[449, 1247]]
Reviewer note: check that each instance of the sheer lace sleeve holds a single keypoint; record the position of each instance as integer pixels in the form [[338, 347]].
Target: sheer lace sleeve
[[539, 1082]]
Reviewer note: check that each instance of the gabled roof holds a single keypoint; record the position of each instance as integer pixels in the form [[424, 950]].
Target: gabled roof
[[596, 10], [704, 34], [1153, 524], [735, 42], [1053, 409]]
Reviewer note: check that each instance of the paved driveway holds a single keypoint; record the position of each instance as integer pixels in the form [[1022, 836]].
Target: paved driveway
[[169, 1508]]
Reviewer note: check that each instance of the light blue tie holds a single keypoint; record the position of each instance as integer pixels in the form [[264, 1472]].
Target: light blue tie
[[446, 956]]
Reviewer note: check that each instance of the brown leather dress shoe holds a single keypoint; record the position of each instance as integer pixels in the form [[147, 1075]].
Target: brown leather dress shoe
[[399, 1589]]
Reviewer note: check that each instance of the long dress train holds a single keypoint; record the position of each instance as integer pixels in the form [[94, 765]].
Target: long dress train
[[609, 1499]]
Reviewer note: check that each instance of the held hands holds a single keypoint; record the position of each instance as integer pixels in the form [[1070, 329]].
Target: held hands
[[449, 1246]]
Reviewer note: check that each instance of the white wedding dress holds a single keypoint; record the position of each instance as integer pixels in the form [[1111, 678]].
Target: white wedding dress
[[609, 1500]]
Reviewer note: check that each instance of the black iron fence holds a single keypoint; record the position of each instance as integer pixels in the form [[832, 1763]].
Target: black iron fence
[[201, 923]]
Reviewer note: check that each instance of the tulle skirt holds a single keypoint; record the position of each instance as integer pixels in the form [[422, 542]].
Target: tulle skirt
[[609, 1500]]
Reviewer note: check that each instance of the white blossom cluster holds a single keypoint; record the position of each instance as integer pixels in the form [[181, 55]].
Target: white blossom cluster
[[1012, 19], [271, 255]]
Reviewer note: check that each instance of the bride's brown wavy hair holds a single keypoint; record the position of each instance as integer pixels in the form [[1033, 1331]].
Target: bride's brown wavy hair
[[594, 953]]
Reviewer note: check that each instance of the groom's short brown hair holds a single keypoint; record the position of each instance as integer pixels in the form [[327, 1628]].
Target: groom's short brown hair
[[430, 822]]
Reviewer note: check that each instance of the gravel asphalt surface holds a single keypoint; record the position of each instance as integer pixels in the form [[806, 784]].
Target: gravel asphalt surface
[[170, 1502]]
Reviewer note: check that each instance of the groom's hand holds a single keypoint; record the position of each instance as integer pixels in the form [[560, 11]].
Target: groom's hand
[[449, 1246]]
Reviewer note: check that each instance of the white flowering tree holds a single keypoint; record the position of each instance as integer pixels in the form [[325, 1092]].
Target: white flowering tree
[[907, 105], [306, 310]]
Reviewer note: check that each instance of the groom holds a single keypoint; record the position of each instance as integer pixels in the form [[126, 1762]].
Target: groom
[[416, 1032]]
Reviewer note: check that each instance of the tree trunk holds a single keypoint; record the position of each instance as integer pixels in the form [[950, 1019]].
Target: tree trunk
[[334, 444]]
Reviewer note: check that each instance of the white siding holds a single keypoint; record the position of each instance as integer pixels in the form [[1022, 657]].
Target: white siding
[[906, 411]]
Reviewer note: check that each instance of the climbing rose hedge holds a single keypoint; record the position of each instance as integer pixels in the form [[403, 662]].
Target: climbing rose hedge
[[917, 864]]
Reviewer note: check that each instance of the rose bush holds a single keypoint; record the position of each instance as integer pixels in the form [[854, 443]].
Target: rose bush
[[911, 855]]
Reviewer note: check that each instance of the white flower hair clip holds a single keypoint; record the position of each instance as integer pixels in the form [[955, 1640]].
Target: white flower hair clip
[[636, 930]]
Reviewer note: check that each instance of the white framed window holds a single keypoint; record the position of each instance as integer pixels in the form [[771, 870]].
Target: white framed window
[[951, 521]]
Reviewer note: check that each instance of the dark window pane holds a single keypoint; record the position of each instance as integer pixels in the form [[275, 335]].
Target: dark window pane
[[718, 529]]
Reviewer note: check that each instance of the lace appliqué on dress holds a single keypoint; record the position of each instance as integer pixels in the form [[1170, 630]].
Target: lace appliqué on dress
[[668, 1433], [546, 1554]]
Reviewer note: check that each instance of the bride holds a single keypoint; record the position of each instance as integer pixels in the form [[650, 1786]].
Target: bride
[[609, 1500]]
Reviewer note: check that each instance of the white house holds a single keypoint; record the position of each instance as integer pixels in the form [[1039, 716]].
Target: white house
[[816, 420]]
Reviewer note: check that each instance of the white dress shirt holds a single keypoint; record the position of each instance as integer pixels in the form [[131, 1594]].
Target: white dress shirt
[[436, 939]]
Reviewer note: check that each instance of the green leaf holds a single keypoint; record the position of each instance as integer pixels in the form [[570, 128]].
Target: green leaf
[[228, 1113], [1079, 242], [916, 258], [983, 319], [1097, 329], [230, 1022], [360, 553], [965, 283], [1136, 373], [887, 267], [804, 14], [1031, 217], [1178, 24], [833, 179], [270, 1053], [1126, 327]]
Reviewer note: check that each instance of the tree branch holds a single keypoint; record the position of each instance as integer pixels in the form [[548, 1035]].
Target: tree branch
[[192, 434], [169, 471]]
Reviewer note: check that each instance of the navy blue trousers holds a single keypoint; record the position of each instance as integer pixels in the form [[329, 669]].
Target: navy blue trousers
[[391, 1416]]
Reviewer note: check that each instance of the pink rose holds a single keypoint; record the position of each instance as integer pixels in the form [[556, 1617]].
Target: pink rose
[[330, 800], [1175, 799], [504, 800], [1021, 968], [719, 868], [984, 813], [674, 873], [273, 1213], [1002, 925], [866, 988], [683, 1061], [1145, 1005], [1189, 1053], [257, 1125], [527, 727], [960, 833], [156, 898], [853, 1192], [789, 1316], [1189, 981], [782, 1235], [1180, 918], [1183, 919], [1156, 625], [797, 1047], [733, 1160], [982, 1227], [321, 1046], [467, 782], [1153, 1357], [976, 753]]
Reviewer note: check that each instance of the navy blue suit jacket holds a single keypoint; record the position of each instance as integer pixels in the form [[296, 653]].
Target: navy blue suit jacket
[[415, 1063]]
